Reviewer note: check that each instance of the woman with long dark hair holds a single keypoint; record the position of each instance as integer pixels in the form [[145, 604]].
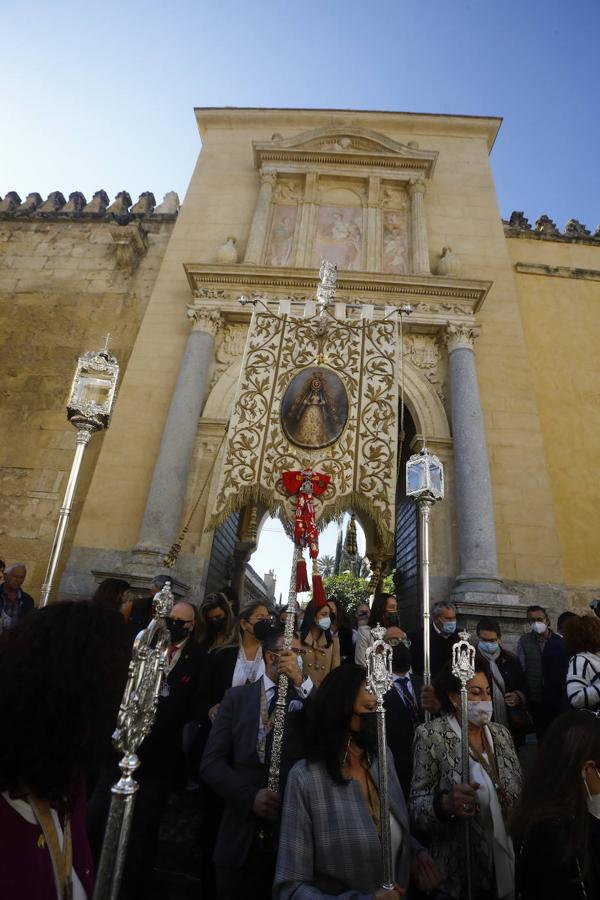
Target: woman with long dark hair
[[556, 827], [329, 841], [320, 649], [215, 622], [340, 628], [113, 593], [62, 673]]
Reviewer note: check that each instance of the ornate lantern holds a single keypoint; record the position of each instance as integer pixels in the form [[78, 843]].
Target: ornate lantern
[[424, 476]]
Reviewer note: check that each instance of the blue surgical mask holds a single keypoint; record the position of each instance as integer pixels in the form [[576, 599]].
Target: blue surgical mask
[[488, 646], [449, 627], [325, 623]]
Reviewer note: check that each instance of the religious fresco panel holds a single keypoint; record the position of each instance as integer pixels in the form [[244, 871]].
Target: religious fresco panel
[[395, 242], [339, 237], [283, 226]]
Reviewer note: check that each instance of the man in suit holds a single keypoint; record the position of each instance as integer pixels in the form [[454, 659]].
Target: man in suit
[[235, 765], [545, 660], [442, 637], [162, 761], [402, 708]]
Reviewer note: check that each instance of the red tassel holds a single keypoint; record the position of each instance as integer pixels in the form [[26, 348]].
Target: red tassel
[[318, 592], [301, 576]]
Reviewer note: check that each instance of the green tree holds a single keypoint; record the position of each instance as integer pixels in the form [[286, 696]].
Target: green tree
[[347, 589], [326, 565]]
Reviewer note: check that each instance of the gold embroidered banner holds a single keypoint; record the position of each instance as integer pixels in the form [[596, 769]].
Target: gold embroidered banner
[[319, 394]]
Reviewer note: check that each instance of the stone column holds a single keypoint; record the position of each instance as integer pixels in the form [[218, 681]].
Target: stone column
[[258, 229], [418, 228], [373, 225], [303, 250], [162, 514], [475, 511]]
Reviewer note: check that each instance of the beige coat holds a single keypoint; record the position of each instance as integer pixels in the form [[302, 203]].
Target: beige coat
[[319, 660]]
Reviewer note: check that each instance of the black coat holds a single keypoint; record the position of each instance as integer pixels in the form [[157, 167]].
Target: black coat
[[162, 750], [218, 675], [440, 649], [400, 730]]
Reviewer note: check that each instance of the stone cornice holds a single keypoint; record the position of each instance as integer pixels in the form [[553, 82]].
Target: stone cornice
[[433, 124], [435, 300], [350, 147], [525, 268], [593, 240], [121, 211]]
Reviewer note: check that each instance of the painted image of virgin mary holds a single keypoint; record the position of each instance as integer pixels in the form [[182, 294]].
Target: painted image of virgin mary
[[314, 409]]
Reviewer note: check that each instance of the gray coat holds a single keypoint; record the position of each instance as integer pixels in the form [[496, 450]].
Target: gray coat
[[328, 843]]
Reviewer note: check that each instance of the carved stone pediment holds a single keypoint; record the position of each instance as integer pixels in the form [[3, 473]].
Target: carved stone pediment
[[354, 147]]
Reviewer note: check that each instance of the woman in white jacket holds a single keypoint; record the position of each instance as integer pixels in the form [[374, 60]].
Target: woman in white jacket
[[582, 636]]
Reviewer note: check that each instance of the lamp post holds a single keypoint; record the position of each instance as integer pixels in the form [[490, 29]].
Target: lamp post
[[425, 482], [89, 408]]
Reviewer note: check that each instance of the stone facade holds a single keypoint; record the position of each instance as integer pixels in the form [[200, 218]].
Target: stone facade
[[67, 278], [499, 375]]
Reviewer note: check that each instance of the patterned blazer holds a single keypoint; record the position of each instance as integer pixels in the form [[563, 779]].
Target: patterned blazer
[[437, 767], [328, 843]]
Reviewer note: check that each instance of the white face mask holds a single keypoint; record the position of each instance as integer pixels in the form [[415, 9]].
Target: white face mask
[[592, 800], [480, 711], [538, 627]]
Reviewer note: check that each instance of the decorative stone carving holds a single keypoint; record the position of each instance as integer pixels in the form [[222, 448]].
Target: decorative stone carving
[[145, 205], [269, 178], [545, 225], [203, 319], [54, 202], [10, 202], [75, 206], [597, 232], [449, 263], [97, 205], [573, 228], [31, 202], [424, 353], [288, 191], [131, 244], [394, 198], [461, 337], [518, 220], [227, 254], [340, 143], [276, 136], [119, 210], [169, 206], [231, 341]]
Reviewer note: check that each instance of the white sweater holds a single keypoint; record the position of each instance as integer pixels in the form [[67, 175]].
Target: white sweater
[[583, 680]]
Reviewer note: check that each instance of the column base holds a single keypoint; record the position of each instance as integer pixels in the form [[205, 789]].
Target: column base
[[479, 584]]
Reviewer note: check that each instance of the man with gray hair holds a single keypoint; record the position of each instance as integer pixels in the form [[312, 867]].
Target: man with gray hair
[[15, 604], [442, 636]]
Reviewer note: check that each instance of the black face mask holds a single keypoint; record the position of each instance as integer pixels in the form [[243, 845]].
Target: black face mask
[[392, 620], [216, 625], [177, 629], [261, 629], [366, 738], [401, 659]]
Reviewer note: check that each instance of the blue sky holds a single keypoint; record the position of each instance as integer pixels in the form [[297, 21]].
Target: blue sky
[[101, 95]]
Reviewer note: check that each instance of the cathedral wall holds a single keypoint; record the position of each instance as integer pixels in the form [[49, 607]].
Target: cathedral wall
[[558, 285], [64, 283]]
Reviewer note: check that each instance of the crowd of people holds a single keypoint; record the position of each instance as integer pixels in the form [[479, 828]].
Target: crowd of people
[[62, 674]]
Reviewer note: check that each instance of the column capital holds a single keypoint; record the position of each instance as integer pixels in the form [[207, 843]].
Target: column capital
[[204, 319], [460, 337], [416, 186], [267, 177]]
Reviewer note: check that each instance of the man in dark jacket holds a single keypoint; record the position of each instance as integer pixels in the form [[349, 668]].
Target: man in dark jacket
[[442, 637], [402, 709], [508, 680], [544, 659], [15, 604], [236, 763]]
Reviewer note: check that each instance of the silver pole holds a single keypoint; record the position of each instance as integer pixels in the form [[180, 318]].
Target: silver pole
[[463, 668], [379, 681], [424, 504], [84, 435], [136, 717], [282, 684]]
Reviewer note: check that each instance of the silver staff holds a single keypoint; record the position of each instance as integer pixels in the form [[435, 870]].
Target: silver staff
[[136, 717], [463, 668], [282, 684], [379, 681], [425, 482]]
